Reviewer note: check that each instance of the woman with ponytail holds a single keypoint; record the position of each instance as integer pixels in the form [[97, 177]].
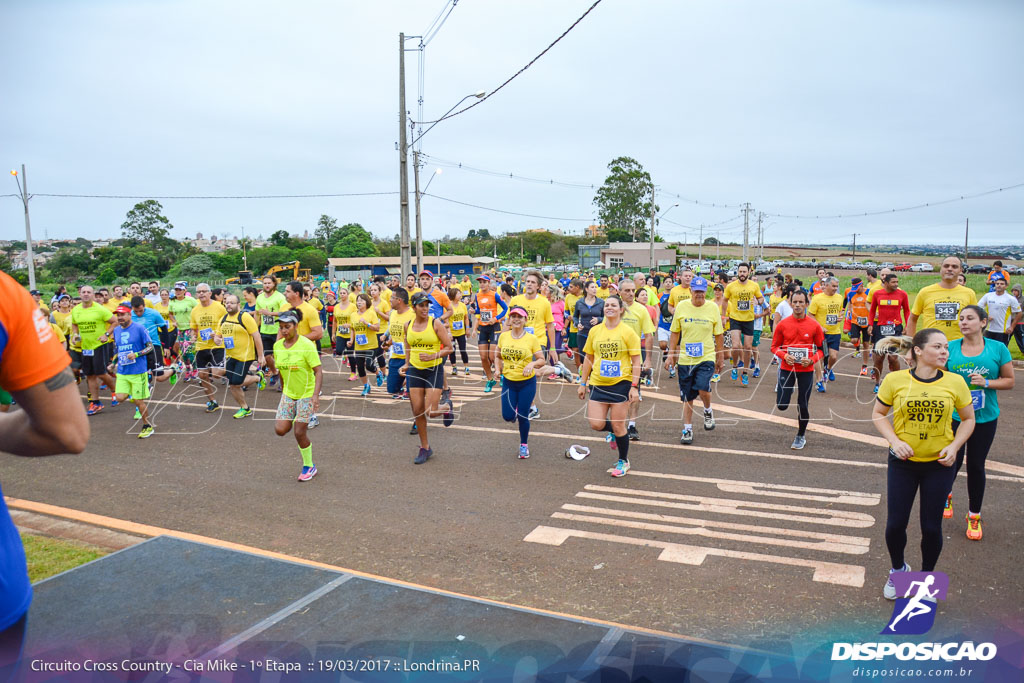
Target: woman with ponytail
[[987, 367], [922, 443]]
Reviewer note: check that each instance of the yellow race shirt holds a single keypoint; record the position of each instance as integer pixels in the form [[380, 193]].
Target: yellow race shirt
[[204, 320], [828, 311], [570, 306], [396, 328], [773, 301], [922, 411], [458, 320], [315, 302], [466, 287], [538, 315], [237, 332], [603, 292], [384, 305], [613, 350], [310, 318], [363, 337], [677, 294], [639, 319], [342, 328], [742, 296], [697, 327], [516, 354], [63, 321], [297, 367], [423, 342], [165, 310], [939, 308]]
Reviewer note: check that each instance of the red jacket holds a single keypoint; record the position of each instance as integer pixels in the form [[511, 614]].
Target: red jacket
[[805, 333]]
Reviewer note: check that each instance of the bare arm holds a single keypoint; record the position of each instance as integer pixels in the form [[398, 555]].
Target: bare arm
[[51, 420], [911, 325]]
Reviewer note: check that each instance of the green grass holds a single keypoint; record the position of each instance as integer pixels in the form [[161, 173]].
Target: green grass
[[49, 556]]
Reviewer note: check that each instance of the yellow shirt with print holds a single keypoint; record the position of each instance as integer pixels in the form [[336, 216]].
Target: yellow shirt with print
[[570, 306], [384, 305], [940, 308], [742, 296], [315, 302], [165, 311], [538, 315], [63, 321], [466, 288], [458, 321], [639, 319], [922, 410], [603, 292], [677, 294], [310, 318], [613, 351], [516, 354], [363, 338], [697, 327], [342, 328], [828, 311], [204, 321], [237, 331], [396, 329]]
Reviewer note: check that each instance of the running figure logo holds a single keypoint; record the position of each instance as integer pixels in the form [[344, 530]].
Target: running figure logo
[[914, 613]]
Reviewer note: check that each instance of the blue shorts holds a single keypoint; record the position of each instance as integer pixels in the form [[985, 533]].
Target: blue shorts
[[694, 379], [832, 342], [396, 382], [488, 334]]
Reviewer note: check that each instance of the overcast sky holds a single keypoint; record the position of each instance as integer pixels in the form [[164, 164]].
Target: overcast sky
[[804, 107]]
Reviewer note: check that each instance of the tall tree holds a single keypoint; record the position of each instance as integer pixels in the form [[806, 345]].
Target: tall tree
[[624, 201], [352, 241], [325, 228], [280, 238], [146, 223]]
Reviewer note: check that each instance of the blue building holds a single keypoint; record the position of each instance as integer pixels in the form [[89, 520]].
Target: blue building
[[363, 268]]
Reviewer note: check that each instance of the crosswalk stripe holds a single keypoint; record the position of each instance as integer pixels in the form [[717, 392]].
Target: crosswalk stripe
[[775, 490]]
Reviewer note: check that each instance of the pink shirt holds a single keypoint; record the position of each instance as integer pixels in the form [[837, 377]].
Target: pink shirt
[[558, 313]]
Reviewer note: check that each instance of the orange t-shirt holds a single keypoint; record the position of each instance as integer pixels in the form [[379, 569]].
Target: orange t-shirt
[[860, 311], [29, 350], [488, 306]]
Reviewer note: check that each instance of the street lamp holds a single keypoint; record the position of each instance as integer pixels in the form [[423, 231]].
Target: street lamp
[[653, 219], [416, 175], [23, 191], [436, 173]]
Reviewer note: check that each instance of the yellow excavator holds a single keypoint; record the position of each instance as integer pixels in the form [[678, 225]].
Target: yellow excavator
[[284, 271]]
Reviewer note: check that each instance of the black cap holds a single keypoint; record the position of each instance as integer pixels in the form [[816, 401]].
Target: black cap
[[419, 298]]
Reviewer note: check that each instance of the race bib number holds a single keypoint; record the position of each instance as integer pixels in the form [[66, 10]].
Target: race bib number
[[743, 305], [206, 334], [485, 316], [88, 352], [978, 398], [344, 330], [888, 330], [695, 349], [397, 348], [123, 359], [269, 320], [831, 319], [947, 312], [862, 321], [361, 339], [798, 353], [457, 324], [229, 342], [611, 368]]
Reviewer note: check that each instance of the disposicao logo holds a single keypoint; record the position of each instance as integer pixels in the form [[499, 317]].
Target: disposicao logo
[[914, 614]]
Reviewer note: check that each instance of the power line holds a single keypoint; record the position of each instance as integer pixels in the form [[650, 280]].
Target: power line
[[905, 208], [706, 227], [435, 26], [264, 196], [513, 76], [510, 213]]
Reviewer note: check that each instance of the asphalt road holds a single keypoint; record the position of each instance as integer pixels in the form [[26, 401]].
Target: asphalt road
[[736, 538]]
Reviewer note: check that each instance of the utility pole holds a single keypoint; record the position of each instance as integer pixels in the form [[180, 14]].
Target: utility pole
[[23, 188], [967, 225], [520, 248], [718, 245], [760, 236], [652, 228], [403, 163], [854, 247], [419, 220], [245, 259], [747, 231], [700, 246]]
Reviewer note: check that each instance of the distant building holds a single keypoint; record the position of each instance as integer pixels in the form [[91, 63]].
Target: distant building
[[636, 255], [589, 254], [594, 231], [351, 268]]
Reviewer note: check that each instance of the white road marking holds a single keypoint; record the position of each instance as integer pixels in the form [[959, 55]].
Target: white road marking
[[778, 490]]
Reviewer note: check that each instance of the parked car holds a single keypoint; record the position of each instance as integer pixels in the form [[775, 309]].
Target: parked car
[[901, 266], [922, 268], [978, 268]]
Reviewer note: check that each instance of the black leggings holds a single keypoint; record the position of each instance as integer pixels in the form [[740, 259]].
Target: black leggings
[[378, 353], [977, 447], [461, 342], [803, 382], [363, 361], [1018, 336], [905, 477]]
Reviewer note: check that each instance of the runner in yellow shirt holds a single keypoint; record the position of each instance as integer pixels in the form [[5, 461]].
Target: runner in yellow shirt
[[401, 314], [938, 306], [458, 324], [243, 347], [740, 296], [365, 325], [696, 329], [637, 318], [827, 309], [203, 321]]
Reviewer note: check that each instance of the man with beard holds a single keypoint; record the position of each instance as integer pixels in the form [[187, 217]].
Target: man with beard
[[740, 296]]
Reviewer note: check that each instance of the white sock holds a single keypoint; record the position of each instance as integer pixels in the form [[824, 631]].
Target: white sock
[[632, 423], [687, 428], [707, 411]]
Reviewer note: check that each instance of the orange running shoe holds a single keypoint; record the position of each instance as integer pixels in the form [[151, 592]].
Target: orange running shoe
[[974, 528], [947, 512]]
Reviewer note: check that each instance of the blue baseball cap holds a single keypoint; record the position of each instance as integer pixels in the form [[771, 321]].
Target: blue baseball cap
[[698, 284], [485, 277]]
